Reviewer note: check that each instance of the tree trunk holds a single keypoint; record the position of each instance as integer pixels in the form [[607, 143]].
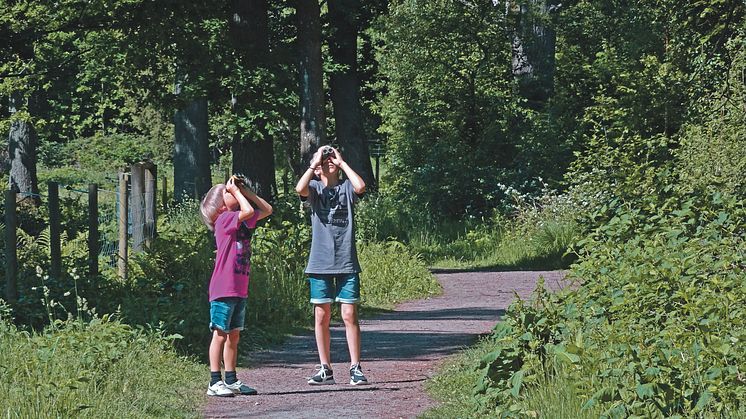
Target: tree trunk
[[191, 150], [253, 157], [533, 62], [22, 143], [345, 88], [312, 123]]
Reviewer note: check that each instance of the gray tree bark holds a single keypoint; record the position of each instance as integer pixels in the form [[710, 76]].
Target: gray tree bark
[[312, 123], [345, 88], [191, 150], [533, 46], [22, 144], [253, 157]]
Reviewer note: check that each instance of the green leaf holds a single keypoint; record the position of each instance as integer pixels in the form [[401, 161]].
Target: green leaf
[[645, 391], [702, 402], [516, 381]]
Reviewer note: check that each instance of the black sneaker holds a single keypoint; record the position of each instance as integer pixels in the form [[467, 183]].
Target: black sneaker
[[356, 376], [324, 375], [240, 388]]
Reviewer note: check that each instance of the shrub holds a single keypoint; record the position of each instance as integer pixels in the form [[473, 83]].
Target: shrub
[[655, 328]]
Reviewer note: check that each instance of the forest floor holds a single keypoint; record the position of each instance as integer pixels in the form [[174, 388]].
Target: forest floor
[[401, 349]]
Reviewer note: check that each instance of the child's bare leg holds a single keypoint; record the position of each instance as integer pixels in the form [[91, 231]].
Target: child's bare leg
[[323, 315], [216, 348], [352, 330], [230, 350]]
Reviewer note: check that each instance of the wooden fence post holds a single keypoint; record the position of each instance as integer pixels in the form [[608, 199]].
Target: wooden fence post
[[151, 193], [164, 192], [11, 256], [93, 236], [123, 221], [55, 228], [137, 208]]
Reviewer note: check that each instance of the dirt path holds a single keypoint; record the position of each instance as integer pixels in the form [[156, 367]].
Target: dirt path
[[401, 350]]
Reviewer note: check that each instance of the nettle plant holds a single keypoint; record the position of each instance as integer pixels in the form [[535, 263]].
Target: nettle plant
[[657, 327]]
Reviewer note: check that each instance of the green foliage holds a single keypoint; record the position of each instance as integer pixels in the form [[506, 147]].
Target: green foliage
[[446, 149], [94, 368], [392, 273], [655, 328], [712, 156]]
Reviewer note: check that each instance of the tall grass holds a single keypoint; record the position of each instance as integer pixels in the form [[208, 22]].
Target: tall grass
[[452, 385], [552, 396], [95, 368], [392, 273], [535, 234]]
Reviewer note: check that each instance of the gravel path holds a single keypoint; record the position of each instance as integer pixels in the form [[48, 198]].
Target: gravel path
[[401, 350]]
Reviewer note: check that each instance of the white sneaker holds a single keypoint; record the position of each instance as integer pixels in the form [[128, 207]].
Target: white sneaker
[[240, 388], [324, 375], [219, 389]]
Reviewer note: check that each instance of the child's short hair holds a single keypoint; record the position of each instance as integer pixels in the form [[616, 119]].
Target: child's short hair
[[210, 205]]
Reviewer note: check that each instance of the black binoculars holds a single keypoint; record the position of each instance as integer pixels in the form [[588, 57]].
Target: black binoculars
[[326, 151], [239, 179]]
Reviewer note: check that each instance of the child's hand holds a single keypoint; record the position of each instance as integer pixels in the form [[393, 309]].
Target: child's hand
[[337, 159], [316, 159], [231, 186]]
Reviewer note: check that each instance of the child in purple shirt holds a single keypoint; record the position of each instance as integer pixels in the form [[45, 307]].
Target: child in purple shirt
[[227, 212]]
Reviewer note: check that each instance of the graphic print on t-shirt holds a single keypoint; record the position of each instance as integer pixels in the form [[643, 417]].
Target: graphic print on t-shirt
[[243, 250], [335, 200]]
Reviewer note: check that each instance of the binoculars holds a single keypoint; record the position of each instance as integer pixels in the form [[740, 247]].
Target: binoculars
[[239, 179], [326, 151]]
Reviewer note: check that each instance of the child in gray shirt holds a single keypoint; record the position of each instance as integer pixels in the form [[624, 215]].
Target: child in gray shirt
[[333, 268]]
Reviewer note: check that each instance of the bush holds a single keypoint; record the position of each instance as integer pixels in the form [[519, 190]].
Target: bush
[[712, 156], [655, 328]]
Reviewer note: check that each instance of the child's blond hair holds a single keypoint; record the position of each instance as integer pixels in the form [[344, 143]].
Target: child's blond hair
[[210, 205]]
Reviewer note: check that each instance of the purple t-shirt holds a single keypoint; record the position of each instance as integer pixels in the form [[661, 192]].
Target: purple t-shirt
[[230, 278]]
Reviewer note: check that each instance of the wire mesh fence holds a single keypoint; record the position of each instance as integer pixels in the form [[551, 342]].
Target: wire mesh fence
[[103, 223]]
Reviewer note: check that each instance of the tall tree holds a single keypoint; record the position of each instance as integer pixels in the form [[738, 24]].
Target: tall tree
[[312, 124], [22, 144], [533, 46], [253, 151], [192, 54], [191, 149], [345, 87]]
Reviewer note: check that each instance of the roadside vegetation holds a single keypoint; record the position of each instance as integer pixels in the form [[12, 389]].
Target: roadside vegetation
[[601, 138], [653, 326]]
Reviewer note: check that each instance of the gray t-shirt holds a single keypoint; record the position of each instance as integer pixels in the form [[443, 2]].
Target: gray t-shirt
[[333, 248]]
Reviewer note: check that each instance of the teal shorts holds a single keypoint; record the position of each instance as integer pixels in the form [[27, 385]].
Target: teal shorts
[[227, 314], [342, 288]]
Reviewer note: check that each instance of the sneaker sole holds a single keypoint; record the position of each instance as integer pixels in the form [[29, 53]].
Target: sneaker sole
[[210, 393], [322, 383], [246, 393], [359, 383]]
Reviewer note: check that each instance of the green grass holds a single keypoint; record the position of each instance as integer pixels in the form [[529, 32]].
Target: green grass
[[452, 388], [100, 368], [392, 274], [452, 385], [511, 247]]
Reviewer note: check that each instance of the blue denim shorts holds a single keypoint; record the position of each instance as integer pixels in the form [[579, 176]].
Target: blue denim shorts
[[342, 288], [227, 314]]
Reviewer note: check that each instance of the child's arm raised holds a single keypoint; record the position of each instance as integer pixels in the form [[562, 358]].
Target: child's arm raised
[[357, 182], [302, 186], [265, 210], [247, 211]]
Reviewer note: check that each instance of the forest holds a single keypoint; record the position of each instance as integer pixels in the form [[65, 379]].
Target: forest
[[605, 138]]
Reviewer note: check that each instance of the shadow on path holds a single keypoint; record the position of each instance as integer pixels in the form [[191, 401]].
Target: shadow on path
[[401, 349]]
